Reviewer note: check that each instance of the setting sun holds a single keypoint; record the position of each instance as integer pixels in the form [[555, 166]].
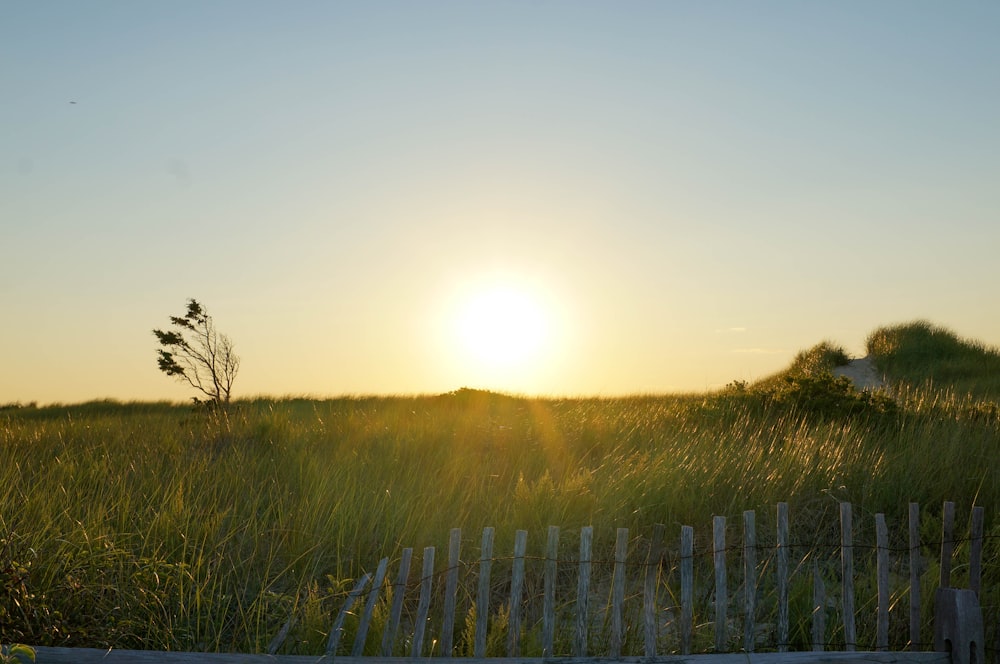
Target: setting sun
[[503, 329], [502, 326]]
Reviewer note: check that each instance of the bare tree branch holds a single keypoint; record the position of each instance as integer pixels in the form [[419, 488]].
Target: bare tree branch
[[195, 353]]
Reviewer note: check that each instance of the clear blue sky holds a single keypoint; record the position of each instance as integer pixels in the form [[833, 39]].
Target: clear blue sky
[[688, 193]]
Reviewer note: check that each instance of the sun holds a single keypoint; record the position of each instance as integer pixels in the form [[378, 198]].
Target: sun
[[502, 326], [503, 330]]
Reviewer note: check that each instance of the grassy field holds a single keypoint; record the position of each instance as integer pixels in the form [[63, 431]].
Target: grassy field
[[149, 525]]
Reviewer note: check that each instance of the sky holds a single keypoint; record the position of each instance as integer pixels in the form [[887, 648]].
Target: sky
[[553, 198]]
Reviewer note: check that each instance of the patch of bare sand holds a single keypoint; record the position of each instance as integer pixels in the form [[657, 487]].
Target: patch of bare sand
[[862, 373]]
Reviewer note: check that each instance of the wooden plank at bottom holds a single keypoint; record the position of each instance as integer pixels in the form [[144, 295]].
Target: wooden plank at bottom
[[50, 655]]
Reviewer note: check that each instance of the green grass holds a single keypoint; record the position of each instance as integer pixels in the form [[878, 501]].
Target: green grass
[[925, 356], [160, 526]]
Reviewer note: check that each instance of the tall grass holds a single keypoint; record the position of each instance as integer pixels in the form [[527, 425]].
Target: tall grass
[[159, 526], [928, 356]]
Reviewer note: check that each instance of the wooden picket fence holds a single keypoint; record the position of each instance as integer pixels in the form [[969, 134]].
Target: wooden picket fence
[[958, 627]]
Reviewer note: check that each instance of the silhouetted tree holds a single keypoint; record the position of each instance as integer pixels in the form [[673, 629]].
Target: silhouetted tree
[[195, 353]]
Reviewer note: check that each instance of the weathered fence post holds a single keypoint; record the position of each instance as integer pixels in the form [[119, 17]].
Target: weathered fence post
[[819, 610], [976, 550], [947, 542], [483, 597], [649, 590], [583, 591], [366, 618], [782, 577], [338, 625], [549, 592], [749, 578], [958, 625], [424, 603], [687, 588], [516, 594], [618, 593], [450, 590], [958, 618], [396, 611], [721, 591], [847, 575], [914, 576], [882, 580]]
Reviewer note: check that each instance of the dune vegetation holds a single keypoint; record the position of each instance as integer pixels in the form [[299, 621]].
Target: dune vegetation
[[159, 526]]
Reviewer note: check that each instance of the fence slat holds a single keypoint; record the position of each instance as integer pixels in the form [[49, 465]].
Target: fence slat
[[947, 542], [483, 597], [819, 610], [450, 591], [749, 578], [782, 574], [618, 593], [279, 639], [649, 590], [976, 550], [687, 588], [549, 593], [358, 648], [847, 575], [721, 591], [424, 605], [882, 574], [583, 591], [338, 625], [398, 591], [914, 519], [516, 594]]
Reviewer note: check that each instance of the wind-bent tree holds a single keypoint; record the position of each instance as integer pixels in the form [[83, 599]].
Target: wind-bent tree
[[195, 353]]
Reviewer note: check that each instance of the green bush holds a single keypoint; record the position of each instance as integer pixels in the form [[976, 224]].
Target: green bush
[[829, 396]]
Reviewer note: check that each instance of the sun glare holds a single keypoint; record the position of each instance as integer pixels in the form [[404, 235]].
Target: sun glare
[[502, 327]]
